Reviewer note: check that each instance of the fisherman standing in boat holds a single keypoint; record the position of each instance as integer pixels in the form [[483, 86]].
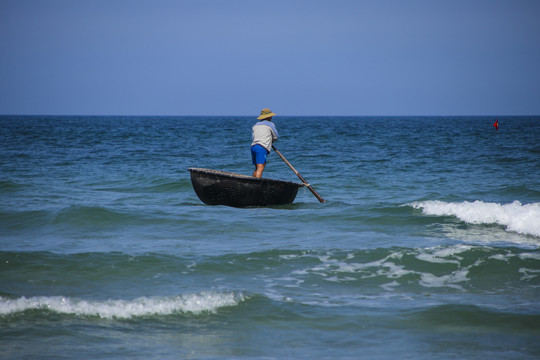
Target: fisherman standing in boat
[[264, 135]]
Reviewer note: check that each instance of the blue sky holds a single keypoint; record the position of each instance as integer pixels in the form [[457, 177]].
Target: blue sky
[[227, 57]]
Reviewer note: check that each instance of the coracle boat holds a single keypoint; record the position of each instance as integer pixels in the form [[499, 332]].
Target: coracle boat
[[216, 187]]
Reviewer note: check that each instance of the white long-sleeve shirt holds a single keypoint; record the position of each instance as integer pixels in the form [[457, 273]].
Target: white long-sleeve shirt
[[264, 134]]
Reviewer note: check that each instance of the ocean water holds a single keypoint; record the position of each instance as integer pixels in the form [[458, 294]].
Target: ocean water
[[428, 246]]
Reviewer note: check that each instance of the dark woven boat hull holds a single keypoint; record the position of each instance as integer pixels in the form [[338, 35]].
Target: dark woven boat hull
[[223, 188]]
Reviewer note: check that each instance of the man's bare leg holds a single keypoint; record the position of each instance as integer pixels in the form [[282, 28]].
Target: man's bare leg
[[259, 168]]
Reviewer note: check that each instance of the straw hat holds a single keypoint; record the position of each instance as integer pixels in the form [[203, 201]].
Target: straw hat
[[265, 114]]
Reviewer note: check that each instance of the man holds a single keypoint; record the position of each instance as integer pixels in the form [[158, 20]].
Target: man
[[264, 135]]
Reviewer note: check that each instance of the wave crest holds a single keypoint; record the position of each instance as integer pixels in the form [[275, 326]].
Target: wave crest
[[205, 302], [516, 217]]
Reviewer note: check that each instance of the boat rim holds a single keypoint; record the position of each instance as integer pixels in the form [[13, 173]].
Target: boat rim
[[240, 176]]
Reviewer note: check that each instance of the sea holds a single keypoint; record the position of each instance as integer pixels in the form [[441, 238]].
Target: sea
[[427, 247]]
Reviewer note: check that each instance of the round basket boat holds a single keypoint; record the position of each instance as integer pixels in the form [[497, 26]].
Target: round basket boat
[[216, 187]]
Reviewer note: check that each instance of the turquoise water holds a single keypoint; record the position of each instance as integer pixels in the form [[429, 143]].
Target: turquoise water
[[428, 245]]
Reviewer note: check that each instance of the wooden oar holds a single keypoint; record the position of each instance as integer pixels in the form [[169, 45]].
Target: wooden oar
[[319, 197]]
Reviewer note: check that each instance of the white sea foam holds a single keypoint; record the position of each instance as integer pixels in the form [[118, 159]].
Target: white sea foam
[[516, 217], [124, 309], [525, 256], [441, 255], [528, 274], [390, 286]]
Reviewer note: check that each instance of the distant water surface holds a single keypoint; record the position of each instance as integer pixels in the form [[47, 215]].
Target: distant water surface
[[428, 246]]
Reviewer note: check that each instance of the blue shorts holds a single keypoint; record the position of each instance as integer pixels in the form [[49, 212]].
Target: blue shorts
[[258, 154]]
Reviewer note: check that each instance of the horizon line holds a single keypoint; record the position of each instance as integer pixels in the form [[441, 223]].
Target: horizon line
[[277, 116]]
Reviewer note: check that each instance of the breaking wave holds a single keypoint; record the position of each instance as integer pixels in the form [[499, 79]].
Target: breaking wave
[[515, 217], [205, 302]]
